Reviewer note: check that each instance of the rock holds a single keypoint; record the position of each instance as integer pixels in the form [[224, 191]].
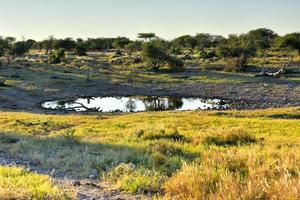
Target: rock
[[82, 196], [76, 183], [91, 184], [54, 77], [94, 174]]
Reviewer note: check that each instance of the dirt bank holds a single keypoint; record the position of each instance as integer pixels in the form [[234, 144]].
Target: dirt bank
[[26, 88]]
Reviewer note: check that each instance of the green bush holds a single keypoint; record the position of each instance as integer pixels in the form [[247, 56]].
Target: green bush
[[80, 50], [175, 64], [57, 56]]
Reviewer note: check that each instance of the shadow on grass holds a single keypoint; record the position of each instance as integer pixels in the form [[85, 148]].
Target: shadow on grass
[[285, 116], [70, 156]]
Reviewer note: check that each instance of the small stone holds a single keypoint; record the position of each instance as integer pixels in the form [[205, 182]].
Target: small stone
[[149, 194], [94, 174], [82, 196], [76, 183]]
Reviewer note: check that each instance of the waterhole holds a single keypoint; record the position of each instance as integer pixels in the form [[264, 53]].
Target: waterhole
[[135, 104]]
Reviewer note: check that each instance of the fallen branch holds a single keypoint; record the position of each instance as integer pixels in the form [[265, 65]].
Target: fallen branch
[[87, 109], [276, 74]]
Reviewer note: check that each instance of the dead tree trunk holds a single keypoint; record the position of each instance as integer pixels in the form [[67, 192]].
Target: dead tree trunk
[[276, 74], [81, 106]]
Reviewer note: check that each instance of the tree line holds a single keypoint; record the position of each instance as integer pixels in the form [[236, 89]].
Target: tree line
[[157, 51]]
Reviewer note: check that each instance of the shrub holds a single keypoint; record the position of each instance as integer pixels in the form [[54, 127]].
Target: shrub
[[57, 56], [237, 49], [236, 64], [80, 50], [175, 64], [155, 54]]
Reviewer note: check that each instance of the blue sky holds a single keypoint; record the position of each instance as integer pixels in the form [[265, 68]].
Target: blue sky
[[167, 18]]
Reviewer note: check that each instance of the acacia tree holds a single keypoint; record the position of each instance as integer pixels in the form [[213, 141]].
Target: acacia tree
[[154, 53], [157, 55], [147, 36], [263, 38]]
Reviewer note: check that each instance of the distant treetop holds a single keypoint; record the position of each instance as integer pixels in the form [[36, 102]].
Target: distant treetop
[[147, 36]]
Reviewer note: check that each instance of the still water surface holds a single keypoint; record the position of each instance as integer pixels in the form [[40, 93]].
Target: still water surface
[[135, 104]]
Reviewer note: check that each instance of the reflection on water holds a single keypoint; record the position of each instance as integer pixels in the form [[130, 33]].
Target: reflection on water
[[135, 104]]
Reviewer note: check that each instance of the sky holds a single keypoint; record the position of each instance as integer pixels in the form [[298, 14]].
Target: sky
[[37, 19]]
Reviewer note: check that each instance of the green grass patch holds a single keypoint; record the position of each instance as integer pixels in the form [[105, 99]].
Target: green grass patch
[[17, 183]]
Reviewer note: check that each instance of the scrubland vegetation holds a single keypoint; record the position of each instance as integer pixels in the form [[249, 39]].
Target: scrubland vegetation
[[234, 51]]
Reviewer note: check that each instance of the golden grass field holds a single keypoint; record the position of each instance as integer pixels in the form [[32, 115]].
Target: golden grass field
[[176, 155]]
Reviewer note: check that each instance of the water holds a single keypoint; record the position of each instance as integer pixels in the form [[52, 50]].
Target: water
[[135, 104]]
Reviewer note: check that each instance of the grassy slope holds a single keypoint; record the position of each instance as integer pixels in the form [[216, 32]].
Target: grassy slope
[[187, 155]]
